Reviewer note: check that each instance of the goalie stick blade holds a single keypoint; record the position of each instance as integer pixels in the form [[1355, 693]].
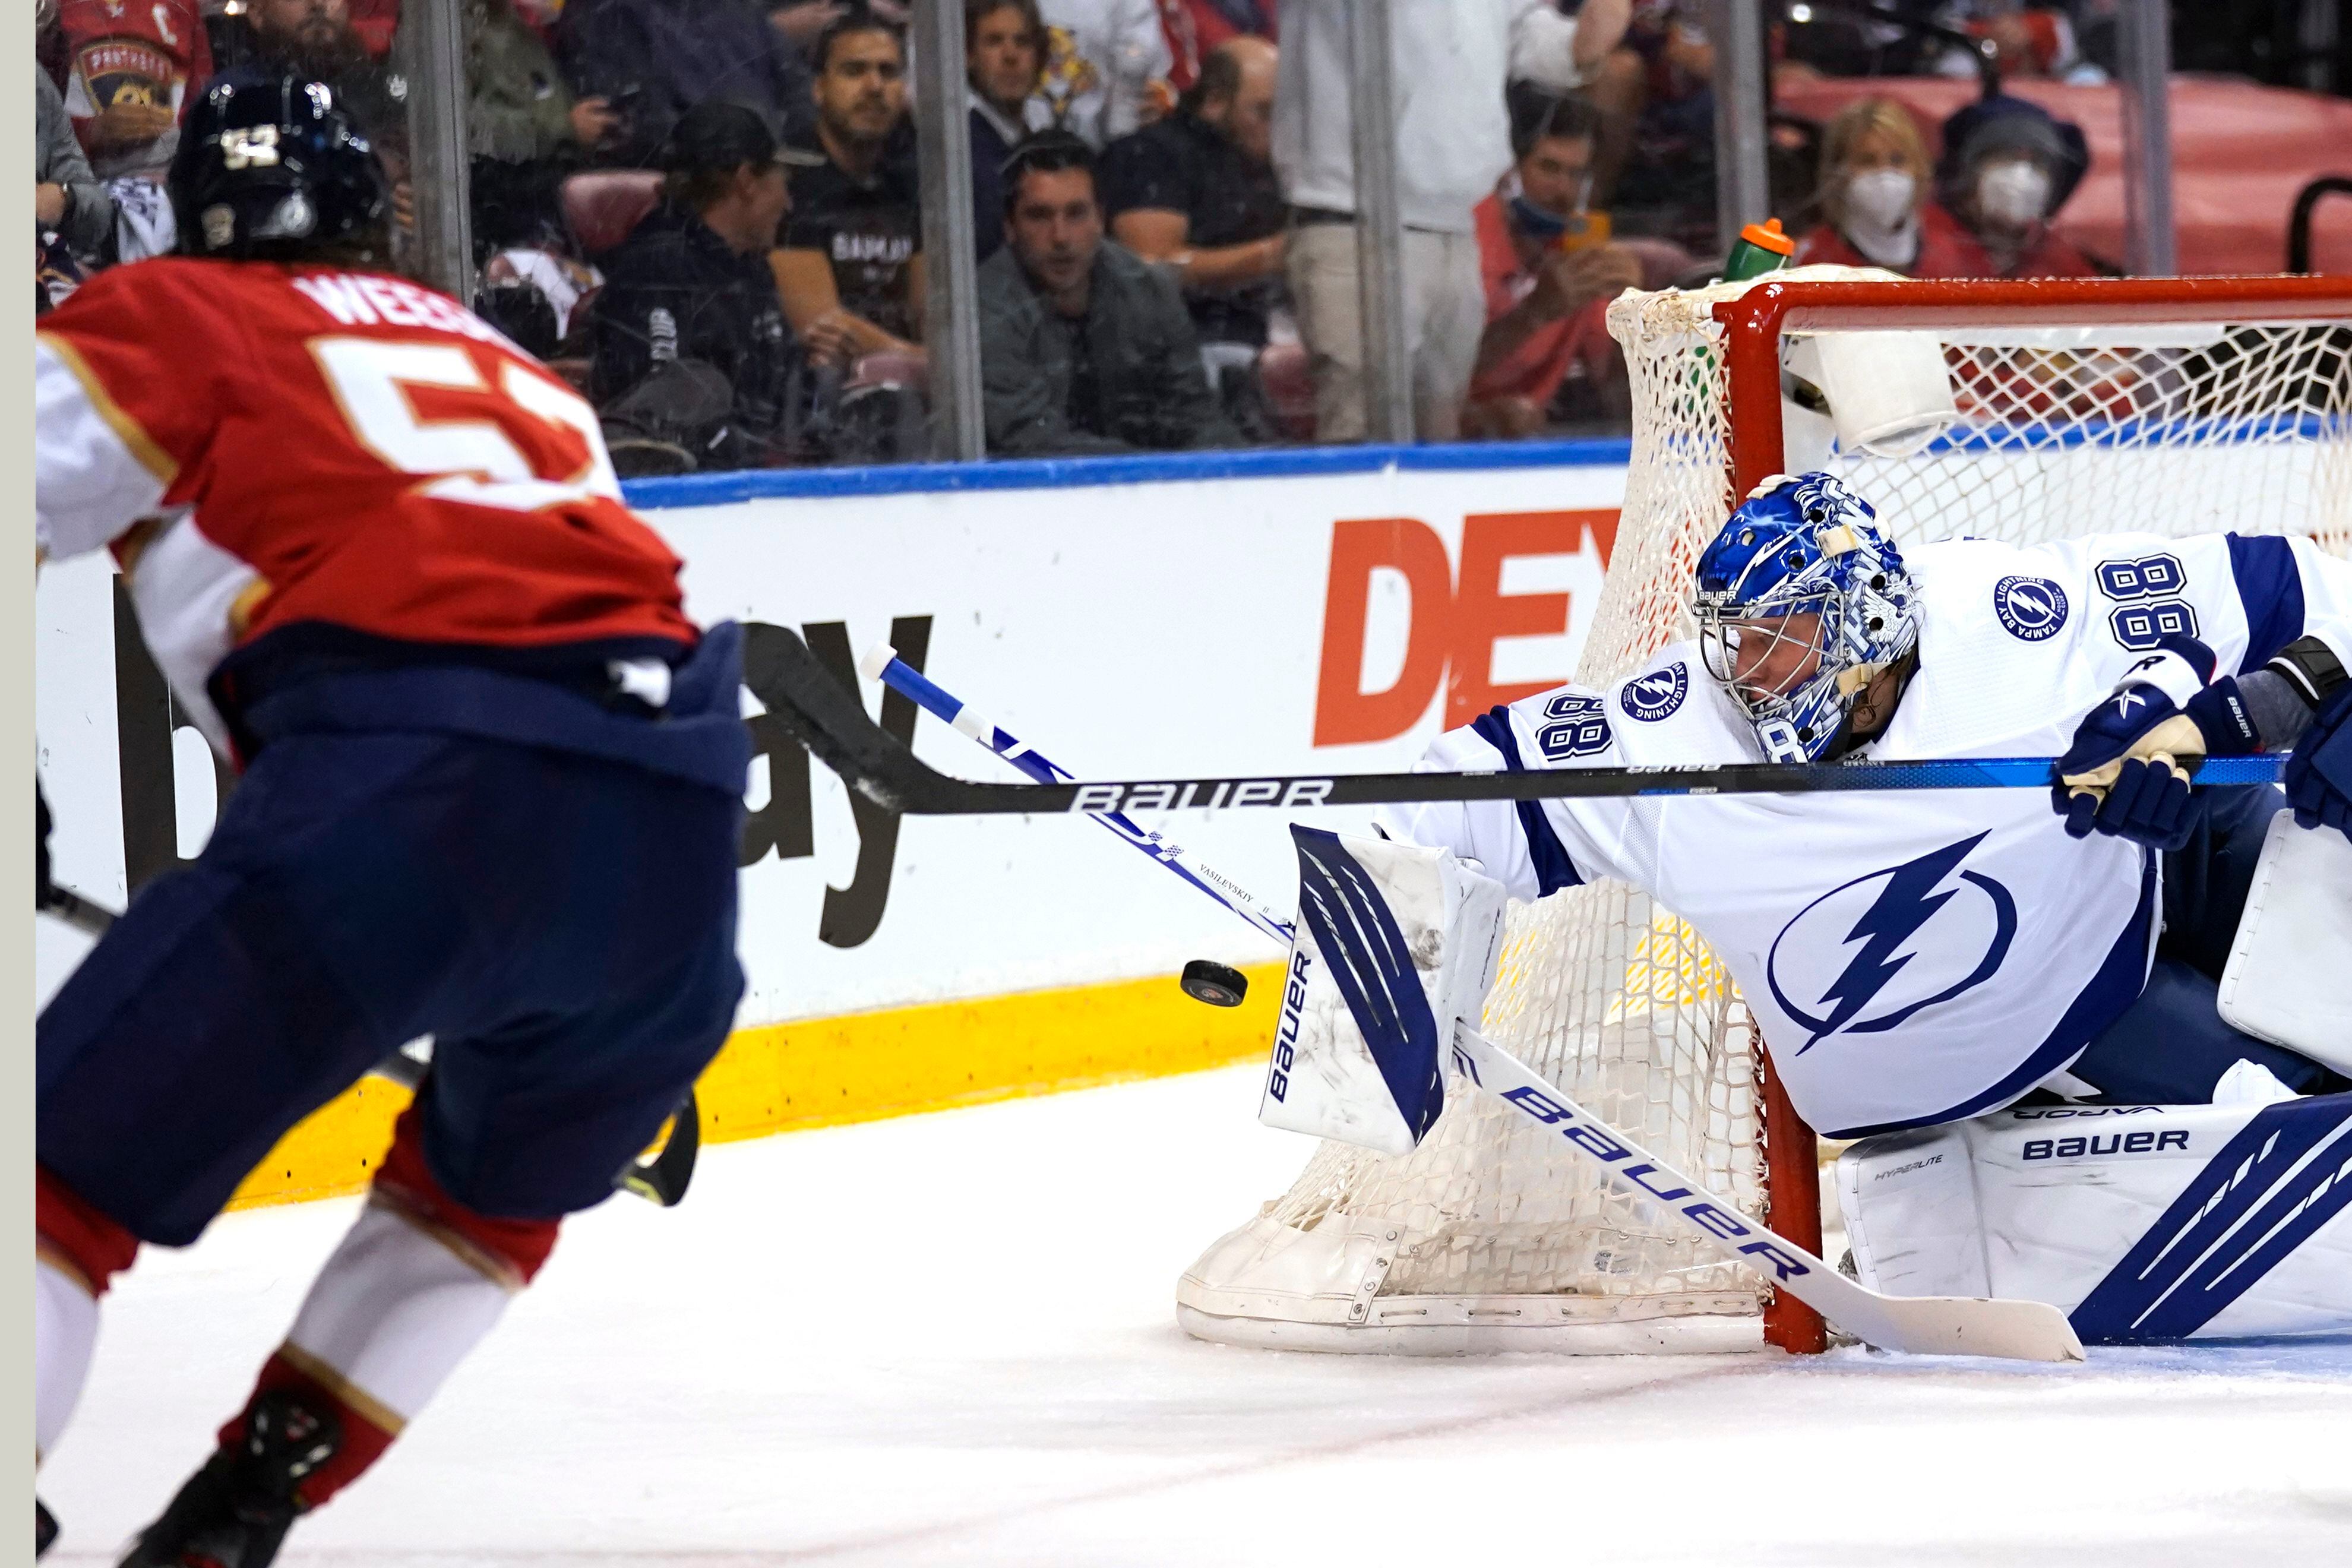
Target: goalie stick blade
[[1955, 1325], [831, 721]]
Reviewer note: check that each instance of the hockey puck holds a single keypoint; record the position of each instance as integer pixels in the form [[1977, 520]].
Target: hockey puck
[[1218, 984]]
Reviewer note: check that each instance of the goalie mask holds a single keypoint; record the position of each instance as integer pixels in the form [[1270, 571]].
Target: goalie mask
[[1800, 601]]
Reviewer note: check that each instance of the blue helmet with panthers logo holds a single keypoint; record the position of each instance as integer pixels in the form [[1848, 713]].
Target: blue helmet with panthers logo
[[272, 165], [1800, 601]]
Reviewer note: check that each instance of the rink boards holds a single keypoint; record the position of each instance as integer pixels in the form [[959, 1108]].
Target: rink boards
[[1277, 612]]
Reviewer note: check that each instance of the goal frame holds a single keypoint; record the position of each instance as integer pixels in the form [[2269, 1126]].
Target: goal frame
[[1754, 325]]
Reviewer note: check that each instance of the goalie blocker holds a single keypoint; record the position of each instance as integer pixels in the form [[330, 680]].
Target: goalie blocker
[[1356, 1056]]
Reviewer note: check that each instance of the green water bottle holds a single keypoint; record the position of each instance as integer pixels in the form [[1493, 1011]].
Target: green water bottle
[[1761, 249]]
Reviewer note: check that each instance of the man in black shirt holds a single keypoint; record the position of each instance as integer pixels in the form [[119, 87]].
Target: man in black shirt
[[693, 358], [1196, 192], [1004, 57], [851, 270], [1082, 347]]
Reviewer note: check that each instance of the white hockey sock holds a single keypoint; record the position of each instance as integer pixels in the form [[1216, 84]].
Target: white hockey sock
[[393, 1311], [65, 1331]]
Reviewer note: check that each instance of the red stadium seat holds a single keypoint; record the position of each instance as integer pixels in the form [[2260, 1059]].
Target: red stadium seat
[[603, 206]]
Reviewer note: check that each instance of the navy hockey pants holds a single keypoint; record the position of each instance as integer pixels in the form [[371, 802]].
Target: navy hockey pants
[[564, 927], [2171, 1047]]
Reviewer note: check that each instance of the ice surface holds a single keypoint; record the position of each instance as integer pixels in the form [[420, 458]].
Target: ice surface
[[950, 1338]]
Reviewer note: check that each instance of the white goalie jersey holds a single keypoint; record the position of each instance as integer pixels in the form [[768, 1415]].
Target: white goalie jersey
[[1914, 957]]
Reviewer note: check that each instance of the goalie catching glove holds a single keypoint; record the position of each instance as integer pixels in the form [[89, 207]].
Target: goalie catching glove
[[1395, 945], [2126, 772]]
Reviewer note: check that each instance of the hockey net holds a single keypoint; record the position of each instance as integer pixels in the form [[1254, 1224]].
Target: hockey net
[[2167, 406]]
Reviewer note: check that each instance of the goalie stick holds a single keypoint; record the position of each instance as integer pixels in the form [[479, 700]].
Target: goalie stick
[[831, 721], [1923, 1325], [660, 1178]]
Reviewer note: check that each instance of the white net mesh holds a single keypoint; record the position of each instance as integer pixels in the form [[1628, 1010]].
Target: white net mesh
[[2176, 427]]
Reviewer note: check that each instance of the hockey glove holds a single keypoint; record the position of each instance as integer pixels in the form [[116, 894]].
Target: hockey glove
[[2319, 772], [2128, 771]]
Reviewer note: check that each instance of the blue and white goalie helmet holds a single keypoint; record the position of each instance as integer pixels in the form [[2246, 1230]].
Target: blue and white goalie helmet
[[1800, 601]]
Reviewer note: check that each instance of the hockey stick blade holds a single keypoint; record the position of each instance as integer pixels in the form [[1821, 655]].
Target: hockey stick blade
[[832, 723], [1918, 1325]]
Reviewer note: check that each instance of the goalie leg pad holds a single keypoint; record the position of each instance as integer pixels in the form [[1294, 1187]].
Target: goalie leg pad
[[1395, 945], [2144, 1223], [2289, 976]]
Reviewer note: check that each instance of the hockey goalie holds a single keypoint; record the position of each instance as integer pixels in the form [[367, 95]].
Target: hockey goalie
[[2096, 1044]]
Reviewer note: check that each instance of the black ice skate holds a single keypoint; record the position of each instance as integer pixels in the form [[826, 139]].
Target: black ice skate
[[236, 1511], [45, 1529]]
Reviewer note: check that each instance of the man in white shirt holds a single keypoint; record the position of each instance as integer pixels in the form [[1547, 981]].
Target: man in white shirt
[[1453, 59], [1107, 65]]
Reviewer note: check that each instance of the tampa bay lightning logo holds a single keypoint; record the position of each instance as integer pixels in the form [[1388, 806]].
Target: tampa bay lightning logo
[[1656, 695], [1926, 936], [2031, 609]]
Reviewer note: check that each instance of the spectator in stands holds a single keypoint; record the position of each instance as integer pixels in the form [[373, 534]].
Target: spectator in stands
[[1875, 202], [129, 71], [1453, 140], [851, 270], [1003, 58], [651, 61], [1082, 347], [693, 358], [1196, 192], [1106, 67], [525, 129], [519, 107], [68, 200], [1194, 29], [1545, 303], [2008, 168], [317, 38]]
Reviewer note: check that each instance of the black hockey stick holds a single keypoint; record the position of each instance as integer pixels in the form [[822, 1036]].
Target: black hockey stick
[[831, 721], [660, 1177]]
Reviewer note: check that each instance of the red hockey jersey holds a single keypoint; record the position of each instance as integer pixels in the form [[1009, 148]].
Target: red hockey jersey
[[131, 66], [330, 446]]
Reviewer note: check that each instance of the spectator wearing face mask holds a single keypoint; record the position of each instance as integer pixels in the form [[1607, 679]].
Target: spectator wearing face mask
[[1546, 293], [1873, 197], [2008, 168]]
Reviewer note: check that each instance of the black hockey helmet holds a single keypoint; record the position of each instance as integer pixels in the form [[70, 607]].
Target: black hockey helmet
[[271, 164]]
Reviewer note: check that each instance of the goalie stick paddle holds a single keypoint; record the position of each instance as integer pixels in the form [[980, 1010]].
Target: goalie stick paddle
[[1923, 1325], [831, 721], [660, 1177]]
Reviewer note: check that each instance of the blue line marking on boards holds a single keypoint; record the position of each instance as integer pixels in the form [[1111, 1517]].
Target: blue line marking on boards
[[1066, 473]]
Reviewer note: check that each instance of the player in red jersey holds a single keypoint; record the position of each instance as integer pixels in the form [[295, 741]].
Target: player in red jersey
[[492, 791]]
